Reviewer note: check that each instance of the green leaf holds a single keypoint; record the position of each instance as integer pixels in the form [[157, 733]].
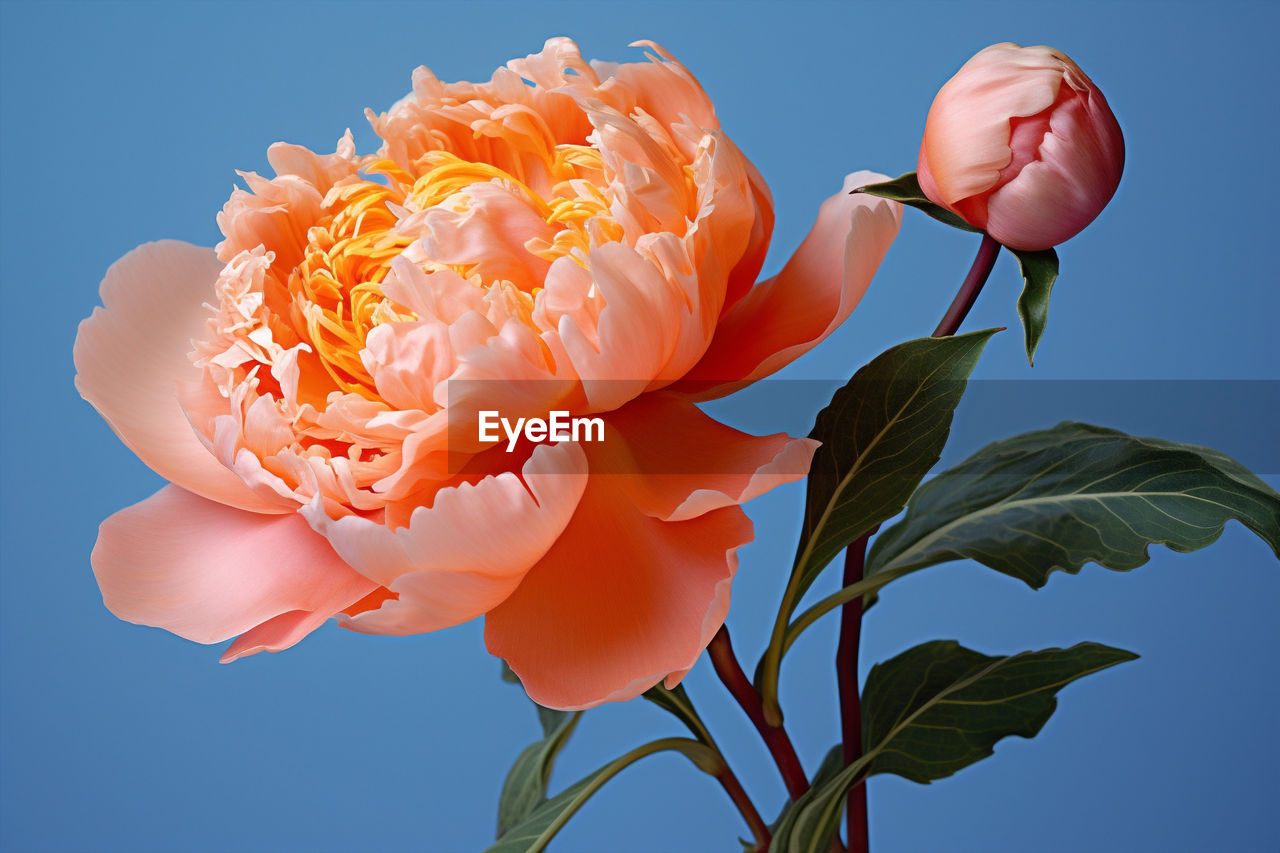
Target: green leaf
[[936, 709], [525, 788], [535, 832], [1058, 498], [906, 189], [880, 435], [676, 701], [939, 707], [1039, 272]]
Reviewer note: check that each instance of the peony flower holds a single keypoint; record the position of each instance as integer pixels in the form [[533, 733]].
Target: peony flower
[[1021, 144], [566, 237]]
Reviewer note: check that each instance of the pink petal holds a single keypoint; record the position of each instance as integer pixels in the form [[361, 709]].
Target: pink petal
[[208, 572], [662, 87], [620, 602], [465, 552], [490, 232], [322, 171], [637, 331], [1076, 171], [131, 361], [784, 317], [966, 137]]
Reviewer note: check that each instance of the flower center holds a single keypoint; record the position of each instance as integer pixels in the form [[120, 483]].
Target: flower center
[[336, 289]]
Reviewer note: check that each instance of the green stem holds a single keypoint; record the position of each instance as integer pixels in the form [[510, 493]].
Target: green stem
[[681, 706], [683, 745]]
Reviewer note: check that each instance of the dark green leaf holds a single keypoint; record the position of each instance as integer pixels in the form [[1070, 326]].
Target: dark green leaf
[[1039, 272], [939, 707], [676, 701], [880, 435], [540, 826], [1056, 499], [906, 189], [525, 788], [936, 709]]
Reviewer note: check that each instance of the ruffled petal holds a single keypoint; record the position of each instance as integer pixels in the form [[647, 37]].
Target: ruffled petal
[[131, 360], [467, 551], [784, 317], [621, 601], [208, 572], [487, 228]]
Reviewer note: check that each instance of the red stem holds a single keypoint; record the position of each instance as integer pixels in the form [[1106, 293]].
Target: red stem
[[734, 789], [988, 249], [850, 703], [742, 690], [854, 559]]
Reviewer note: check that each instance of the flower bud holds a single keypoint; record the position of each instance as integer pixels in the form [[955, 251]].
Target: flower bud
[[1021, 144]]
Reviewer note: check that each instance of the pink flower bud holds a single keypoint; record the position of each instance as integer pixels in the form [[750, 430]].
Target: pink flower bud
[[1021, 144]]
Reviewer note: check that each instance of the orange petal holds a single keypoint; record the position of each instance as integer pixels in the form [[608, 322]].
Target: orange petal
[[621, 601], [784, 317], [710, 466], [208, 572], [131, 360], [465, 552]]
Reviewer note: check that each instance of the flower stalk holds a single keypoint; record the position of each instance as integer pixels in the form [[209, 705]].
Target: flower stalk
[[759, 829], [850, 702], [983, 263], [775, 737], [856, 827]]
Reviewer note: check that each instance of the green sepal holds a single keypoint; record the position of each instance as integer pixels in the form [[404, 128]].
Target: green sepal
[[1039, 272], [906, 189]]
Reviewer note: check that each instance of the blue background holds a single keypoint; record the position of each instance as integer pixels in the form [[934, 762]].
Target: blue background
[[122, 124]]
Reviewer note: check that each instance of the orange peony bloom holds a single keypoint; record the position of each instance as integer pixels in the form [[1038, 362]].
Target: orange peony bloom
[[569, 236]]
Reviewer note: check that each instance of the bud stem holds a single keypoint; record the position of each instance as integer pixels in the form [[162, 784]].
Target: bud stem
[[854, 557], [969, 290], [850, 703]]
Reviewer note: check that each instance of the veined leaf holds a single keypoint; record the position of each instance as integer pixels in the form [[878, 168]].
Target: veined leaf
[[935, 709], [939, 707], [1056, 499], [906, 189], [1039, 272], [880, 435], [525, 788], [535, 832]]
